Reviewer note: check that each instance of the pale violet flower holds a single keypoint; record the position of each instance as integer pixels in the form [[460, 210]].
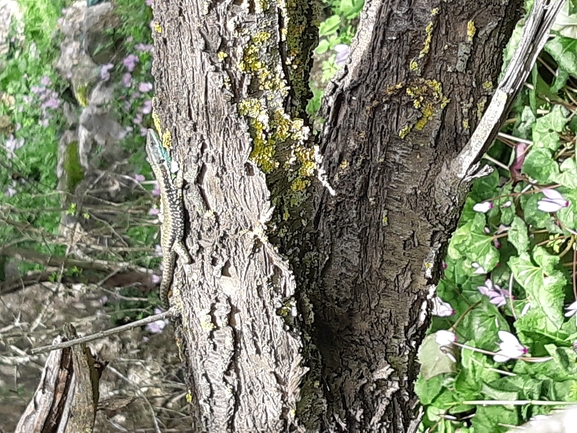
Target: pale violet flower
[[478, 268], [105, 71], [145, 87], [552, 202], [506, 204], [496, 294], [158, 326], [509, 347], [130, 62], [342, 51], [441, 308], [483, 207], [445, 338]]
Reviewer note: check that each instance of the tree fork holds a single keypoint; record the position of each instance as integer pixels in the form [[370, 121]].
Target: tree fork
[[231, 83]]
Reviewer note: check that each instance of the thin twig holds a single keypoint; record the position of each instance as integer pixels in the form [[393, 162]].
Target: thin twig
[[170, 313]]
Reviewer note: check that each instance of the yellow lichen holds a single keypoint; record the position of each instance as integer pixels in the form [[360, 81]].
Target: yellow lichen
[[465, 123], [156, 122], [405, 131], [427, 43], [157, 27], [300, 184], [471, 30], [414, 67], [221, 55], [427, 96], [392, 89], [434, 12], [488, 86], [166, 139], [481, 107]]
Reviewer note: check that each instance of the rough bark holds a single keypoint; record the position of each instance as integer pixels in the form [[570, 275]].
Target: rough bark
[[421, 74], [335, 285]]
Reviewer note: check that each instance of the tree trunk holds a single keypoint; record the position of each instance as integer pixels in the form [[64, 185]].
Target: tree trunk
[[308, 317]]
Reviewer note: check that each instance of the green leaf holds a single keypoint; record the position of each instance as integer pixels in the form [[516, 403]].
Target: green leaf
[[564, 50], [351, 9], [323, 46], [540, 166], [429, 388], [494, 418], [472, 245], [330, 25], [433, 361], [547, 128], [517, 235], [543, 283], [567, 215], [524, 128], [568, 175], [484, 187], [533, 216]]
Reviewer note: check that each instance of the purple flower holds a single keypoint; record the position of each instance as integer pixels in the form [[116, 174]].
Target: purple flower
[[37, 89], [105, 71], [158, 251], [139, 178], [342, 54], [154, 211], [496, 294], [145, 87], [441, 308], [553, 202], [158, 326], [127, 79], [147, 107], [45, 81], [145, 48], [51, 103], [149, 3], [483, 207], [509, 347], [130, 62]]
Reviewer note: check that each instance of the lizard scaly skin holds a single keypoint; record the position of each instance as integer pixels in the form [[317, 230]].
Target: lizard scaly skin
[[171, 210]]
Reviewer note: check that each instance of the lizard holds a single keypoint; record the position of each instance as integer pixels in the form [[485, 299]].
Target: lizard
[[171, 212]]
